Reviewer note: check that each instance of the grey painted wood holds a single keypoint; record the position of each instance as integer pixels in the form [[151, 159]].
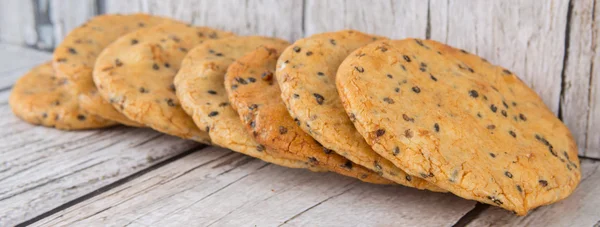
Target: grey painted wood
[[42, 168], [281, 19], [17, 22], [579, 209], [527, 37], [69, 14], [217, 187]]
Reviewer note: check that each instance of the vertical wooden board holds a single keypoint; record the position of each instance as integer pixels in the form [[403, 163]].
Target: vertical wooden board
[[394, 19], [579, 209], [576, 99], [16, 61], [129, 6], [527, 37], [17, 22], [68, 14], [593, 130], [216, 187]]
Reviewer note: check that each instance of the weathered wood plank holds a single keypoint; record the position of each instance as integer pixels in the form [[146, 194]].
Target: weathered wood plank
[[253, 17], [42, 168], [68, 14], [218, 187], [527, 37], [579, 105], [395, 19], [17, 22], [579, 209], [15, 61]]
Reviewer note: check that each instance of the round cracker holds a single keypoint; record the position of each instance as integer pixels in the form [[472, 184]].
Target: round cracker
[[74, 58], [137, 77], [255, 94], [40, 98], [200, 88], [468, 126], [306, 73]]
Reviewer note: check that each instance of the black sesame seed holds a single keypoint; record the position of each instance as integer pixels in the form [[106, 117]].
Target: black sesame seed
[[396, 151], [143, 90], [379, 132], [44, 115], [522, 116], [436, 127], [359, 69], [320, 73], [416, 89], [543, 183], [282, 130], [296, 96], [233, 87], [212, 92], [213, 113], [513, 134], [408, 133], [505, 71], [223, 104], [473, 93], [390, 76], [377, 166], [432, 77], [348, 165], [134, 41], [170, 102], [397, 89], [297, 121], [297, 49], [241, 80], [155, 66], [266, 76], [260, 148], [406, 118], [251, 79], [81, 117], [508, 174], [309, 53], [492, 155], [332, 41], [72, 50], [504, 113], [406, 58], [519, 188], [253, 107], [388, 100], [491, 127], [505, 105], [167, 65], [319, 98], [118, 63], [493, 108]]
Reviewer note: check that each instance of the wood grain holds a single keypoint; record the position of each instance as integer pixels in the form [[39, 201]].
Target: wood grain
[[579, 209], [42, 168], [69, 14], [280, 19], [216, 187], [528, 37], [17, 22], [394, 19], [580, 92]]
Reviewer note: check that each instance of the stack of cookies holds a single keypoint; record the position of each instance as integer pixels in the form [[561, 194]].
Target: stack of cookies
[[412, 112]]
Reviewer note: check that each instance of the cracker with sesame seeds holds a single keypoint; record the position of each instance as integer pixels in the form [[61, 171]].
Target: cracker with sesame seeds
[[138, 79], [74, 57], [40, 98], [306, 75], [200, 88], [265, 116], [470, 127]]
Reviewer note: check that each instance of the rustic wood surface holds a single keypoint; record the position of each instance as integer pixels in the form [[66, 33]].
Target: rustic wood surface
[[139, 177]]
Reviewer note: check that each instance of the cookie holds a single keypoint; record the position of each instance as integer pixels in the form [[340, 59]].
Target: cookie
[[74, 58], [470, 127], [306, 74], [40, 98], [200, 88], [136, 77], [254, 93]]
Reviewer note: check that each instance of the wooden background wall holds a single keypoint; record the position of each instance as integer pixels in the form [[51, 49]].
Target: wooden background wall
[[550, 44]]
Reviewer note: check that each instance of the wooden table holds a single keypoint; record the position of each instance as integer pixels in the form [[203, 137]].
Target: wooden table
[[138, 177]]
